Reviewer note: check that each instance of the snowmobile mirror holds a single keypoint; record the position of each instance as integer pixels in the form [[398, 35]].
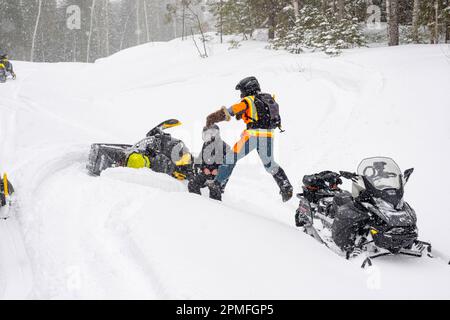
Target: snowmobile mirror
[[408, 174]]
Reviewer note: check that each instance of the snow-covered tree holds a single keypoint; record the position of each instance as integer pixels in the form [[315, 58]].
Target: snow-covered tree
[[317, 30]]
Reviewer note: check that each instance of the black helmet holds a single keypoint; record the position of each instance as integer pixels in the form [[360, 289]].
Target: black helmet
[[249, 86]]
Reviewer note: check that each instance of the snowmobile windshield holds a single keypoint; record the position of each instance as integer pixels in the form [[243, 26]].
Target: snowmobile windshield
[[382, 173]]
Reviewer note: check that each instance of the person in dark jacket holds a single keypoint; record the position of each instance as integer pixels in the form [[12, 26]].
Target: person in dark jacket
[[213, 155], [162, 153], [6, 68]]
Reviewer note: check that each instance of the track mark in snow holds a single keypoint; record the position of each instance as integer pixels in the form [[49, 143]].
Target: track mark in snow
[[117, 223], [16, 279]]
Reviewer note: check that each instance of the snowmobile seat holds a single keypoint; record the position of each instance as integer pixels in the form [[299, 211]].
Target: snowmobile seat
[[313, 182], [104, 156]]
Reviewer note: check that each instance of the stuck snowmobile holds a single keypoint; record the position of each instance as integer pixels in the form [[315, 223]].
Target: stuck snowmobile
[[372, 221], [158, 151], [6, 68], [6, 197]]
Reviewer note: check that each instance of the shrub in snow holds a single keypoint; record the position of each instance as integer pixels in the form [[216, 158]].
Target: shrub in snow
[[234, 44]]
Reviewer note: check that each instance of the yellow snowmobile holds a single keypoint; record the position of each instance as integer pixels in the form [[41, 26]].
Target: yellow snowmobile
[[158, 151]]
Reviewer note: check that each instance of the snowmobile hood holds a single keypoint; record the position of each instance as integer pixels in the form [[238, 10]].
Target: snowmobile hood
[[406, 217]]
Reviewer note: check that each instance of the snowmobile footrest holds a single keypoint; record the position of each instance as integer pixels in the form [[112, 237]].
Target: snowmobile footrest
[[369, 259]]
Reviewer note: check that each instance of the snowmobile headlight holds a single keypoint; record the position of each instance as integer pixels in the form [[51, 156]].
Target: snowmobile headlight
[[374, 231]]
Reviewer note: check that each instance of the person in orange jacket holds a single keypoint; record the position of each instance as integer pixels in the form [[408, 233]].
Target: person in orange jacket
[[260, 112]]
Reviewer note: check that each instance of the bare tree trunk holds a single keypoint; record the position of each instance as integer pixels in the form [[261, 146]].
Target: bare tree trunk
[[138, 24], [341, 9], [175, 27], [146, 21], [436, 22], [447, 22], [272, 25], [324, 6], [415, 21], [221, 21], [296, 6], [124, 31], [107, 27], [74, 48], [393, 28], [91, 28], [199, 23], [36, 26]]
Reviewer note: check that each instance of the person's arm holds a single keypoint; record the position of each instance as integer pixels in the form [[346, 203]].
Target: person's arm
[[220, 115], [225, 114], [238, 108]]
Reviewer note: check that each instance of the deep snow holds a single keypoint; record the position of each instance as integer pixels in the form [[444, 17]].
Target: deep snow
[[137, 234]]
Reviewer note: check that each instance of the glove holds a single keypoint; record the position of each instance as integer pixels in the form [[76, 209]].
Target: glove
[[218, 116]]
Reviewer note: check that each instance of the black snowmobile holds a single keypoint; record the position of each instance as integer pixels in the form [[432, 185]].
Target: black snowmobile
[[6, 197], [6, 68], [372, 221], [167, 154]]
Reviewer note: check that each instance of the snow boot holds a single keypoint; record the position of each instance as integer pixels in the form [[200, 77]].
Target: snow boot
[[215, 191], [286, 189]]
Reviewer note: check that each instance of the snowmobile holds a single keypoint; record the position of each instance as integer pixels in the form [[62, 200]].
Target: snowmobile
[[157, 145], [5, 75], [6, 71], [372, 221], [6, 197]]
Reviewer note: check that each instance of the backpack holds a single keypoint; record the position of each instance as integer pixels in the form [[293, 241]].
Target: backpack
[[268, 112]]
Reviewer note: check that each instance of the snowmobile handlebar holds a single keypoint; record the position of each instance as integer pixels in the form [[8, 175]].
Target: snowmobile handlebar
[[348, 175]]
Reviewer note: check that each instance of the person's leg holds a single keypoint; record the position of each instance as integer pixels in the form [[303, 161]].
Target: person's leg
[[241, 149], [265, 152]]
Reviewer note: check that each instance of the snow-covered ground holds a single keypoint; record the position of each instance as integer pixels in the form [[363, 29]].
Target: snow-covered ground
[[137, 234]]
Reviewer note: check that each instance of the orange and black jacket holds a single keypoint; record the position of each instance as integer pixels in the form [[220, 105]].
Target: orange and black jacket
[[245, 110]]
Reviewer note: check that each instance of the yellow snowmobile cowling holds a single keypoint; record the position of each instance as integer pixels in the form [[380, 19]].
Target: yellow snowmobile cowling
[[6, 197], [5, 185], [158, 151], [185, 160]]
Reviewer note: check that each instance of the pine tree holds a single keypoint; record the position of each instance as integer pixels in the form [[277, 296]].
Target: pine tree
[[316, 30]]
